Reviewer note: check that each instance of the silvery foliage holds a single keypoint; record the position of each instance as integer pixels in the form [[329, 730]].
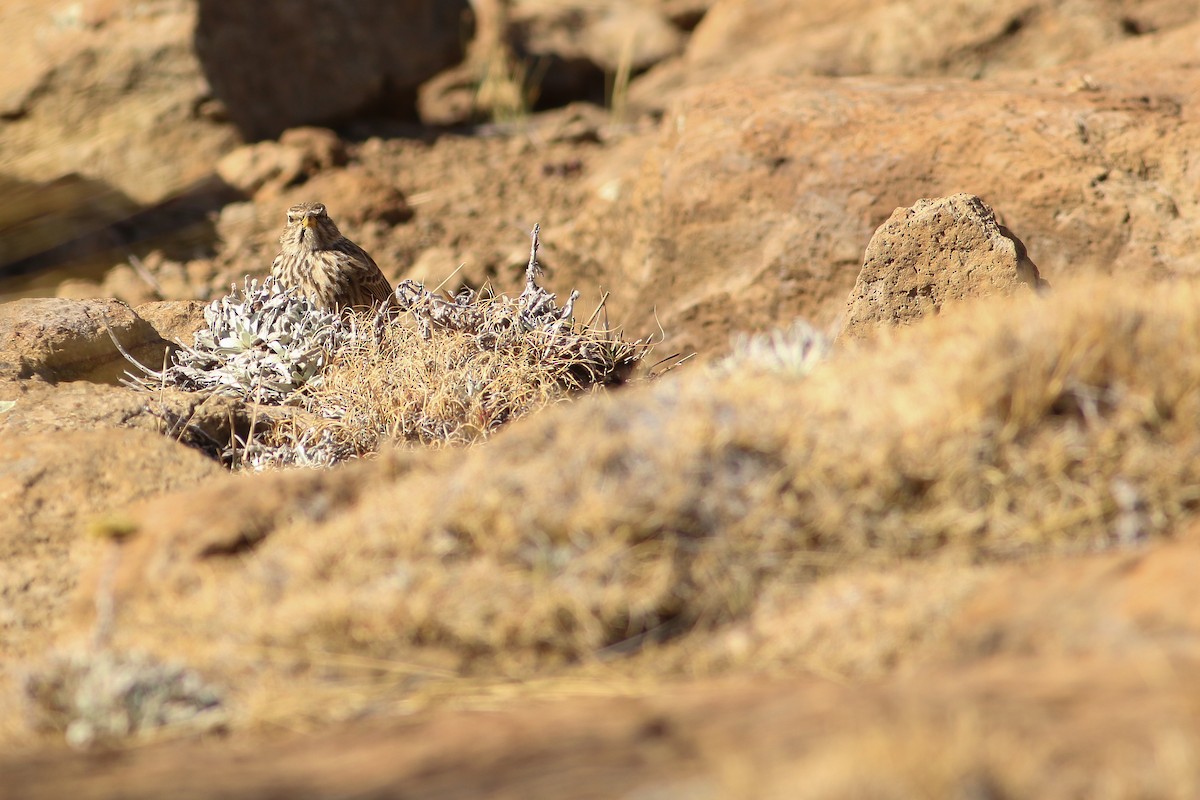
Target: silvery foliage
[[108, 696], [310, 448], [792, 351], [262, 343]]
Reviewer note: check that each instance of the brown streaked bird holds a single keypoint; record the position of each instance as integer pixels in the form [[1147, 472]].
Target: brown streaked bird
[[327, 268]]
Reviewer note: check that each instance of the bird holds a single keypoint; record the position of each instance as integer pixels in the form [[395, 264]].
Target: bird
[[325, 267]]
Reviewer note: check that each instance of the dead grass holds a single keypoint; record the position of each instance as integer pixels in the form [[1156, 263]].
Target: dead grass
[[1032, 426], [429, 369], [508, 86], [469, 365], [444, 391]]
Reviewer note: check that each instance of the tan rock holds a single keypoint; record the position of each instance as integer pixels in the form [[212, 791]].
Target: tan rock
[[206, 421], [269, 167], [756, 203], [109, 94], [901, 37], [354, 196], [263, 165], [174, 320], [63, 340], [52, 487], [935, 252]]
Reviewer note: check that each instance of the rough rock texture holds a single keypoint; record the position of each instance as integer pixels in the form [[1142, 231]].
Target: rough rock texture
[[1033, 731], [753, 38], [266, 168], [174, 320], [52, 485], [277, 64], [937, 251], [111, 91], [64, 340], [759, 197], [203, 420]]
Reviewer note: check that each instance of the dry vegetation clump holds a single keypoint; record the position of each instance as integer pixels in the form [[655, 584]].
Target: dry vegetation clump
[[431, 370], [1013, 427], [472, 363]]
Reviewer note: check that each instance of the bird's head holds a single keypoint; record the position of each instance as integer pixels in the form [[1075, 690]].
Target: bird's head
[[309, 225]]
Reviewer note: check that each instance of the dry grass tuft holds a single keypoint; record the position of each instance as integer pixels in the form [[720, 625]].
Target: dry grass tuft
[[508, 86], [1013, 428], [431, 370], [469, 365]]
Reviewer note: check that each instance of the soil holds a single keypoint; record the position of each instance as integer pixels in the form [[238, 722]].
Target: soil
[[955, 560]]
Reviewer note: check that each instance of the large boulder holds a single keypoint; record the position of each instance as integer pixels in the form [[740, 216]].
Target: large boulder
[[109, 91], [902, 37], [757, 201], [277, 64], [937, 251]]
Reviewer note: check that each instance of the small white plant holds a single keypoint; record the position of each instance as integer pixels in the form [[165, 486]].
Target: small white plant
[[261, 343], [106, 696], [792, 351]]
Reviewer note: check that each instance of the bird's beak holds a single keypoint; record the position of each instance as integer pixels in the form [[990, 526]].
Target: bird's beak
[[309, 221]]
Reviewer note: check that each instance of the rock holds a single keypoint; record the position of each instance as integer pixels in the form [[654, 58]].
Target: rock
[[354, 197], [52, 485], [266, 168], [263, 165], [756, 203], [900, 37], [322, 148], [107, 93], [174, 320], [935, 252], [205, 422], [277, 64], [64, 340], [52, 482]]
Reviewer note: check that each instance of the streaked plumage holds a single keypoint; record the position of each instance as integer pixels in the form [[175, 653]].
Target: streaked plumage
[[327, 268]]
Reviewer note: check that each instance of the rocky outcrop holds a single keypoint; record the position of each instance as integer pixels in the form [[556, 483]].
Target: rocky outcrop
[[109, 91], [277, 64], [937, 251], [53, 488], [759, 197], [65, 340], [754, 38]]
